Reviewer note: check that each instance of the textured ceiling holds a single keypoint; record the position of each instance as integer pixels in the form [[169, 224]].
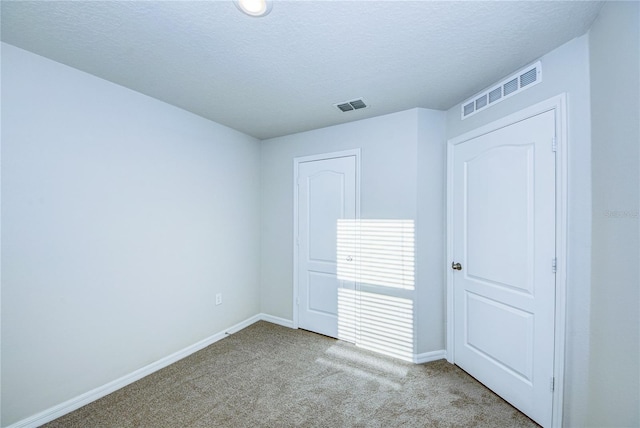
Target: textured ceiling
[[282, 73]]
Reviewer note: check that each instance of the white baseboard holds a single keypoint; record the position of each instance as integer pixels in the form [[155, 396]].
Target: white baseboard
[[242, 325], [97, 393], [429, 356], [276, 320]]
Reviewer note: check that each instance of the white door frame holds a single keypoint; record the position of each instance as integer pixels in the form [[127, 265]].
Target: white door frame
[[558, 105], [296, 163]]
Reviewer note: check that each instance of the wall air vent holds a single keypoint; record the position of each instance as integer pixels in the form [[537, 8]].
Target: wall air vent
[[351, 105], [524, 79]]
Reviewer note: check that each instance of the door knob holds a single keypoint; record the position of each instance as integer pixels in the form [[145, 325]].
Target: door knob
[[349, 258], [456, 266]]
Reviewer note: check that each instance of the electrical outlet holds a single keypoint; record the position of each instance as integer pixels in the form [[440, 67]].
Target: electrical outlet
[[219, 299]]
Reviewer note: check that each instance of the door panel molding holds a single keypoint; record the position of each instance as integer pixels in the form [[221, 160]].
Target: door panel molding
[[296, 165], [556, 104]]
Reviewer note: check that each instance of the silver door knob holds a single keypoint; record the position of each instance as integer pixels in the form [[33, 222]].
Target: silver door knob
[[349, 258], [456, 266]]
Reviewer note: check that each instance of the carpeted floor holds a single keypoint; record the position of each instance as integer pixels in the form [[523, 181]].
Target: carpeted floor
[[272, 376]]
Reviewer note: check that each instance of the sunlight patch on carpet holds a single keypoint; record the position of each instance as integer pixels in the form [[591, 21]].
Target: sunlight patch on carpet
[[375, 363], [354, 371]]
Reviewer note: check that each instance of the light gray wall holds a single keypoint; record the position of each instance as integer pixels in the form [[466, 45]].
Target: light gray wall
[[431, 231], [389, 190], [564, 70], [614, 41], [122, 217]]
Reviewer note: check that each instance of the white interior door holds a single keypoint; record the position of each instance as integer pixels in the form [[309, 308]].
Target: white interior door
[[326, 194], [504, 239]]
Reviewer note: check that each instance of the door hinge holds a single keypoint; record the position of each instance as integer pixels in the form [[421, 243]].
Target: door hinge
[[552, 384], [297, 180], [554, 265], [554, 145]]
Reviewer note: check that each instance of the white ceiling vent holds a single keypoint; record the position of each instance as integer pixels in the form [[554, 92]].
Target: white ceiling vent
[[524, 79], [351, 105]]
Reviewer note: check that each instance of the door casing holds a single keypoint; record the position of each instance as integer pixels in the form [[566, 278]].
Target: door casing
[[296, 163], [558, 105]]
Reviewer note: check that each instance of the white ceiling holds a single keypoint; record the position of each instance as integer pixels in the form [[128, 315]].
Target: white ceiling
[[282, 73]]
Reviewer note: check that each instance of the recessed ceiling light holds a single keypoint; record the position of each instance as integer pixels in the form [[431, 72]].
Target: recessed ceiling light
[[254, 7]]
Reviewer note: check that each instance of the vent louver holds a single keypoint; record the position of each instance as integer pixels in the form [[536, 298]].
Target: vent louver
[[495, 95], [528, 77], [524, 79], [351, 105], [510, 87]]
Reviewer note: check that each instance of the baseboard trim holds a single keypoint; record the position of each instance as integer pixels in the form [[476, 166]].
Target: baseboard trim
[[427, 357], [81, 400], [241, 325], [276, 320]]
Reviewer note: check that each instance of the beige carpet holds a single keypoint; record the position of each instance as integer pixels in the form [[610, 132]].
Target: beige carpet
[[272, 376]]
